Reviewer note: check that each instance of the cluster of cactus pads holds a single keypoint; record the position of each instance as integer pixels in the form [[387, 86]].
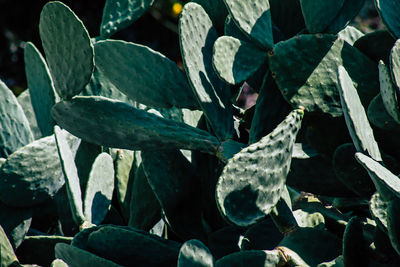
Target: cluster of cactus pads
[[117, 157]]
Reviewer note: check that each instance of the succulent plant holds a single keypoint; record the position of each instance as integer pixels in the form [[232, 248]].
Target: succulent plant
[[115, 156]]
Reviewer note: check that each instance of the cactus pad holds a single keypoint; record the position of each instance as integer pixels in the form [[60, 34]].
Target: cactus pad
[[144, 75], [68, 49], [247, 190], [386, 182], [31, 175], [197, 37], [302, 67], [388, 92], [41, 88], [99, 189], [124, 245], [356, 117], [71, 176], [123, 126]]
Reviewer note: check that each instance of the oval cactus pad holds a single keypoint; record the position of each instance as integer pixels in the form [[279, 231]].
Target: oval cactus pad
[[197, 37], [68, 49], [303, 67], [120, 125], [144, 75], [253, 180], [41, 88]]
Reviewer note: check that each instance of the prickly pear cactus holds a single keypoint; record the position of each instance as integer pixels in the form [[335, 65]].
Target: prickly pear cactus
[[152, 162]]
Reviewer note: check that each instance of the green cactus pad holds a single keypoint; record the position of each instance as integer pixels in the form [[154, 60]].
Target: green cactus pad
[[246, 190], [119, 14], [74, 256], [124, 245], [71, 176], [254, 19], [393, 223], [302, 67], [24, 99], [350, 34], [144, 75], [376, 45], [197, 37], [395, 63], [388, 92], [145, 210], [356, 118], [41, 88], [40, 248], [271, 109], [347, 13], [216, 10], [99, 189], [287, 16], [236, 60], [15, 222], [123, 126], [123, 182], [251, 258], [318, 15], [7, 254], [388, 11], [355, 248], [350, 173], [177, 192], [321, 245], [385, 181], [31, 175], [379, 211], [68, 49], [14, 126], [194, 253]]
